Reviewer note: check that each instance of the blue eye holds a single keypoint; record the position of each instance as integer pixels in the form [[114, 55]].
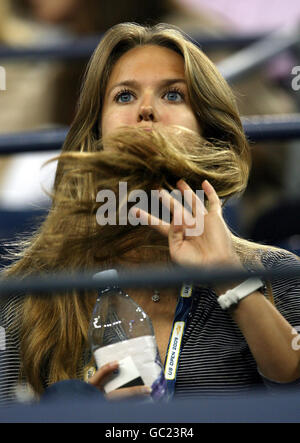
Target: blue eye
[[174, 96], [124, 97]]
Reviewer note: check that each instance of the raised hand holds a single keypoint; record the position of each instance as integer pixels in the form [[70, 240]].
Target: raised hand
[[210, 242]]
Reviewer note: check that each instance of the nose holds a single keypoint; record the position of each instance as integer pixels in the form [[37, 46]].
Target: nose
[[146, 113]]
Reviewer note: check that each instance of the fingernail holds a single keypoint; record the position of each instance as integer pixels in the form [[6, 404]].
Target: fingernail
[[206, 182]]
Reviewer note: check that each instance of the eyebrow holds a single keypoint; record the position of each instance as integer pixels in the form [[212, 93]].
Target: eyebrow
[[135, 84]]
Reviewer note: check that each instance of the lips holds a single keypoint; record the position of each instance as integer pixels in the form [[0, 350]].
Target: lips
[[147, 128]]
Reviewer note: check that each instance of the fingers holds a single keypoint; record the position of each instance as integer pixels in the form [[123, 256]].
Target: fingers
[[174, 207], [214, 201], [212, 196], [104, 374], [198, 207], [149, 219], [181, 216], [101, 376]]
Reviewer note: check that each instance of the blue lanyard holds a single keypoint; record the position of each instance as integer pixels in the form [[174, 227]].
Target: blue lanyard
[[175, 341]]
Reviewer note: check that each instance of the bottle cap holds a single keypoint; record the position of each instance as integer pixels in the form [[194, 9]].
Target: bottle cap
[[108, 274]]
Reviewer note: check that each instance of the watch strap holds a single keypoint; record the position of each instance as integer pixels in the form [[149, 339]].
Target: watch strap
[[235, 295]]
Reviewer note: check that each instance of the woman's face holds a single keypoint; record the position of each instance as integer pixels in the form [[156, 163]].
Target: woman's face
[[147, 89]]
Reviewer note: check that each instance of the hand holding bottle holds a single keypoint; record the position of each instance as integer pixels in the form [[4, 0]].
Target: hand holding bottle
[[105, 372], [120, 330]]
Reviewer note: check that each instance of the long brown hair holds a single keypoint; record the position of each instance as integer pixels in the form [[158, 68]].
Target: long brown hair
[[54, 329]]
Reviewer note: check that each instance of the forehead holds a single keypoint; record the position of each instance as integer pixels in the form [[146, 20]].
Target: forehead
[[148, 63]]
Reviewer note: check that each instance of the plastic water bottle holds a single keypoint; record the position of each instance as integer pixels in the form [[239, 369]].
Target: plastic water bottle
[[120, 330]]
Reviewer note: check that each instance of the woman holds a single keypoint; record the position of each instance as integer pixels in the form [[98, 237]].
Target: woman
[[182, 130]]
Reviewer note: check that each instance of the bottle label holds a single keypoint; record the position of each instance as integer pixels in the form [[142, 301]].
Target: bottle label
[[138, 365]]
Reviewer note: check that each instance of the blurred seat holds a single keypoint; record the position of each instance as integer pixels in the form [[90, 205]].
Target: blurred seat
[[279, 226]]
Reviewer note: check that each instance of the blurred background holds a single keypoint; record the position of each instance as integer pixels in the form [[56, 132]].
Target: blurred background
[[42, 91]]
